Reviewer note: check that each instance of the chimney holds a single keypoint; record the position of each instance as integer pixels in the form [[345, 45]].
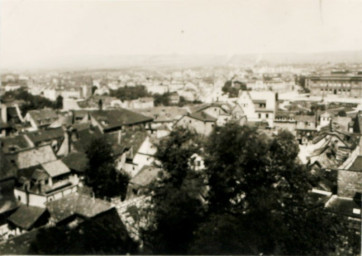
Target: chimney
[[100, 104], [119, 137]]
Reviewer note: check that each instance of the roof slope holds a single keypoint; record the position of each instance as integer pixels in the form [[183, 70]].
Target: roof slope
[[76, 204], [76, 161], [45, 135], [145, 176], [119, 117], [26, 216], [55, 168]]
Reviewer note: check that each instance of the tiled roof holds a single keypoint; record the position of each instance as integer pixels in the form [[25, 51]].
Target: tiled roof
[[202, 116], [76, 161], [35, 156], [76, 204], [46, 116], [55, 168], [26, 216], [119, 117], [17, 143], [46, 135], [305, 118]]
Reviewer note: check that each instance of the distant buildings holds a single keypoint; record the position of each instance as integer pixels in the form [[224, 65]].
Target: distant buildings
[[343, 85]]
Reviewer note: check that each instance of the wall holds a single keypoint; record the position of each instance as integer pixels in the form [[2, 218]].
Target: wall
[[204, 128]]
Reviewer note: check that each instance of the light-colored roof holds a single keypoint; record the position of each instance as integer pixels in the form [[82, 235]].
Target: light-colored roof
[[55, 168], [35, 156]]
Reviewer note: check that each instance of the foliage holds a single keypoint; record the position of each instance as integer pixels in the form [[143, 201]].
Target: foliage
[[130, 92], [31, 101], [101, 174], [176, 198], [233, 91], [162, 99], [85, 238], [59, 102], [342, 113]]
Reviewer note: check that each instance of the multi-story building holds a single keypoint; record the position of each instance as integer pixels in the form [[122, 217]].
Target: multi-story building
[[343, 85]]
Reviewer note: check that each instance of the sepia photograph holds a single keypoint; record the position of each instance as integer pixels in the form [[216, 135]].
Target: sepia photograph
[[179, 127]]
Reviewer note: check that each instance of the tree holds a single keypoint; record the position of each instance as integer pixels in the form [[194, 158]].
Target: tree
[[59, 102], [101, 174], [257, 185], [342, 113], [162, 99], [176, 202], [130, 92]]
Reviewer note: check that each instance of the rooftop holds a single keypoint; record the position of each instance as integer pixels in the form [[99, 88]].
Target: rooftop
[[79, 204], [119, 117], [77, 161], [26, 216]]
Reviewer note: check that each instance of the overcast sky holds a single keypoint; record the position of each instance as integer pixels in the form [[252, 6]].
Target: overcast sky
[[36, 32]]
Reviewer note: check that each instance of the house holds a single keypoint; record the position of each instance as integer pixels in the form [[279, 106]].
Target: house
[[258, 106], [141, 103], [325, 118], [113, 120], [200, 122], [285, 120], [164, 115], [28, 157], [41, 118], [306, 127], [139, 183], [197, 162], [174, 98]]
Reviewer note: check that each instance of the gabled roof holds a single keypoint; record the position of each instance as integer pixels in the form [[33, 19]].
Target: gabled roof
[[46, 135], [55, 168], [76, 161], [79, 204], [118, 117], [202, 116], [26, 216], [35, 156]]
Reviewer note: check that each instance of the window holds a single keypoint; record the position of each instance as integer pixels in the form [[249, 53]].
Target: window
[[267, 115], [259, 115], [198, 163], [190, 121]]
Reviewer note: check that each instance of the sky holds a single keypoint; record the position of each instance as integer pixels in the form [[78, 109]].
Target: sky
[[36, 33]]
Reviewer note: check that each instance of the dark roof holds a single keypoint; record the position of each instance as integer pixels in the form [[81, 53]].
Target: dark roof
[[7, 169], [305, 118], [47, 116], [46, 135], [17, 142], [20, 244], [26, 216], [79, 204], [85, 137], [76, 161], [202, 116], [119, 117], [8, 201], [357, 165]]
